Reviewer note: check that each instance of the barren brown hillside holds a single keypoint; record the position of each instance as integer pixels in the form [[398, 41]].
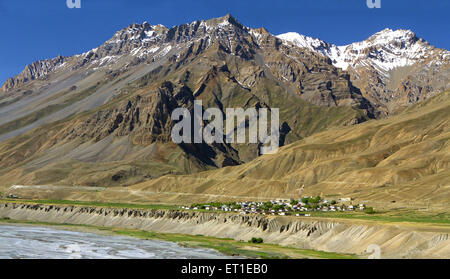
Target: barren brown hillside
[[401, 161]]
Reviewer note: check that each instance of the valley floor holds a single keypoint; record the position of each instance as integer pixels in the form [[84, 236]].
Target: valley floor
[[421, 219], [398, 234]]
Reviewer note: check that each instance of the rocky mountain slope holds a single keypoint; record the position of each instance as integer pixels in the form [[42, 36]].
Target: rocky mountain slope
[[103, 117], [392, 68], [38, 69], [402, 161]]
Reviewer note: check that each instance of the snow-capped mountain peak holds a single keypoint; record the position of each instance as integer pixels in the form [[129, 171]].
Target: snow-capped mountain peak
[[305, 41], [384, 51], [388, 35], [389, 66]]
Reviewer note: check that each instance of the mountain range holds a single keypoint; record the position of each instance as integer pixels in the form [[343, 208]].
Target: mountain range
[[102, 118], [392, 68]]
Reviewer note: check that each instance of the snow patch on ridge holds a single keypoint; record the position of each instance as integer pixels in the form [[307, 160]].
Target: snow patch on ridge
[[384, 51]]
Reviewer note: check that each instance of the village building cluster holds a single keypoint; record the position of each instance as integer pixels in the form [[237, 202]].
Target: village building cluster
[[282, 207]]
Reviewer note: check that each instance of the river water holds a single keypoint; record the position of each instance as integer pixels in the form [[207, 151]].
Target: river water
[[30, 242]]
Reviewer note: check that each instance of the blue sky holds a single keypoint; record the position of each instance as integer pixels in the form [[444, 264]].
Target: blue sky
[[40, 29]]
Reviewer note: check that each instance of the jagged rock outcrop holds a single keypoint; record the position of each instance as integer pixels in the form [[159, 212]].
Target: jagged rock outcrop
[[314, 78], [38, 69], [146, 119]]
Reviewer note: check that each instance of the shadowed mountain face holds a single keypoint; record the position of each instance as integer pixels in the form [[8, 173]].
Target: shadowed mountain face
[[103, 117]]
